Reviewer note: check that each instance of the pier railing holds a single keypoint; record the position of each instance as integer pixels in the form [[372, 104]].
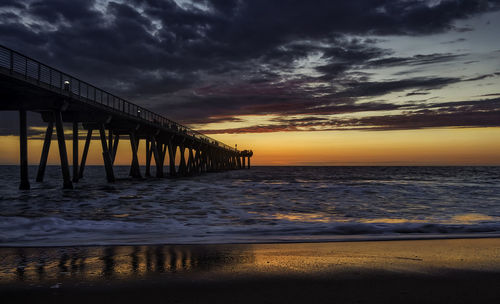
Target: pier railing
[[36, 72]]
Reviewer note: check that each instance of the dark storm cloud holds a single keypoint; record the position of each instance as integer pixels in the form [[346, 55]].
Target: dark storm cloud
[[468, 105], [58, 11], [417, 93], [481, 77], [219, 59], [414, 61], [367, 88], [12, 4], [290, 98], [490, 95], [454, 41], [479, 113], [280, 104]]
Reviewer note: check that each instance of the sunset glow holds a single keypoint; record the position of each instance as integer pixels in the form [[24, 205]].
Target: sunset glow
[[446, 146], [321, 91]]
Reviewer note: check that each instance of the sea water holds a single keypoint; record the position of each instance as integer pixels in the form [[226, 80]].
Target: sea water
[[263, 204]]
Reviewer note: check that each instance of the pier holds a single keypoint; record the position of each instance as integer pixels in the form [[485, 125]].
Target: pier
[[29, 85]]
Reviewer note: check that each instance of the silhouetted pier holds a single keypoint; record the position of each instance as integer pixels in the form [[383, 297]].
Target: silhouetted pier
[[28, 85]]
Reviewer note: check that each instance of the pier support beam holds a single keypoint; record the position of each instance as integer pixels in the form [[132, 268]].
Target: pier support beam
[[201, 154], [163, 152], [23, 148], [249, 162], [110, 142], [106, 156], [85, 152], [197, 161], [75, 152], [115, 148], [203, 161], [172, 150], [63, 155], [210, 161], [182, 164], [159, 156], [148, 158], [190, 164], [45, 152], [135, 170]]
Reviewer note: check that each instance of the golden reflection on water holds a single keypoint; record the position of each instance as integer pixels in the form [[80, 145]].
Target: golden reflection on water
[[391, 221], [466, 218], [473, 217], [302, 217]]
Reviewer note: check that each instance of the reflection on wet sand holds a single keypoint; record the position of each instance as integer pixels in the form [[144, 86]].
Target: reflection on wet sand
[[134, 263], [114, 262], [21, 266], [122, 263]]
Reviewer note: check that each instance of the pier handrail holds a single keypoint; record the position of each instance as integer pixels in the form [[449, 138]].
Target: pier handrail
[[44, 75]]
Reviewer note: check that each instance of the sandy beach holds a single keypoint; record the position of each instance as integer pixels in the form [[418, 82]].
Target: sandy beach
[[416, 271]]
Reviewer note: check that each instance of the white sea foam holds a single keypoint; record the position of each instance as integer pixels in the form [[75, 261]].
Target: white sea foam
[[51, 231], [259, 205]]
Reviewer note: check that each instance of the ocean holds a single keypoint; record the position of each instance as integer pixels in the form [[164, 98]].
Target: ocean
[[260, 205]]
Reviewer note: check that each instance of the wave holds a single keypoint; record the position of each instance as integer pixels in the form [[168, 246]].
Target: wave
[[53, 231], [265, 204]]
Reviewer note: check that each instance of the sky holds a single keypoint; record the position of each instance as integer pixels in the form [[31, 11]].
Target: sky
[[367, 82]]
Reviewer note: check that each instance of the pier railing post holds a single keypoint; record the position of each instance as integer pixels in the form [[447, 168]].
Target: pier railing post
[[45, 152], [23, 148], [63, 155]]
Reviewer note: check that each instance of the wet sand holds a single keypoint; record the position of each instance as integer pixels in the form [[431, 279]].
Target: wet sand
[[417, 271]]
